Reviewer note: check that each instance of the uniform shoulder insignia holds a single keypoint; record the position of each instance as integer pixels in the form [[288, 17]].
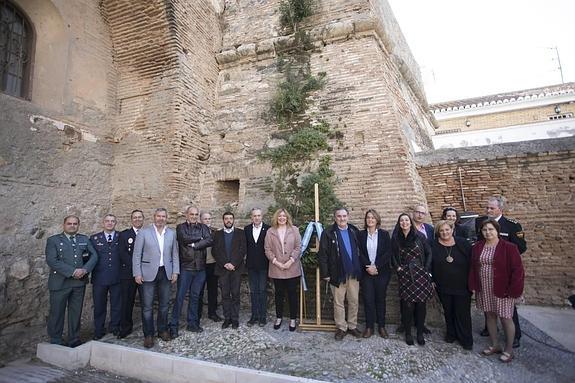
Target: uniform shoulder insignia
[[520, 234], [512, 220]]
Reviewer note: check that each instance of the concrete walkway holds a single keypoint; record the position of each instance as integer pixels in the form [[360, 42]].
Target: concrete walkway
[[558, 323]]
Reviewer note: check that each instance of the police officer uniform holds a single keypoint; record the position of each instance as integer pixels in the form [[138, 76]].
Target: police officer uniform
[[510, 230], [64, 254], [106, 280], [127, 282]]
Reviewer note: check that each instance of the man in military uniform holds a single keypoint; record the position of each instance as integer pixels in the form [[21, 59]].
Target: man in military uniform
[[71, 257], [511, 231], [106, 278], [128, 285]]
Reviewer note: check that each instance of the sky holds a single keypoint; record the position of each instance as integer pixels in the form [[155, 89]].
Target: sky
[[469, 48]]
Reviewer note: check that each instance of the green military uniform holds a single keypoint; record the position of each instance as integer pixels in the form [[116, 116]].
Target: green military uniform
[[64, 254]]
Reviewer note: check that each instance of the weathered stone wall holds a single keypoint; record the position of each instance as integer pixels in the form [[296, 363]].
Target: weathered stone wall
[[538, 180], [367, 97], [165, 54], [55, 156]]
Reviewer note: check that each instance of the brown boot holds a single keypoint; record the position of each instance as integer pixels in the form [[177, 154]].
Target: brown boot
[[165, 336], [339, 334], [382, 332], [367, 333], [354, 332], [149, 342]]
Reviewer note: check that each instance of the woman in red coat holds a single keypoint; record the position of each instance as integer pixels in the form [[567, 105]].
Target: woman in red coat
[[496, 275]]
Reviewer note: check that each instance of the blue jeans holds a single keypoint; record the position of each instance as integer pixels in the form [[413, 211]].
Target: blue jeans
[[192, 282], [258, 293], [163, 284]]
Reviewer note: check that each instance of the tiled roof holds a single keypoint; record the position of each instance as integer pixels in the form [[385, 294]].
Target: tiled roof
[[504, 98]]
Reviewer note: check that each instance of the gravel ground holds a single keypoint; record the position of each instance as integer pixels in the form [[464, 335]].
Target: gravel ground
[[317, 355]]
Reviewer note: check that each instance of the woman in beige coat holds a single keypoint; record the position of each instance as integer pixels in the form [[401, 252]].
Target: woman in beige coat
[[282, 246]]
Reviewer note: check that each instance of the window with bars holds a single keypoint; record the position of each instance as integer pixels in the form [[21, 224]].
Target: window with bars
[[15, 50]]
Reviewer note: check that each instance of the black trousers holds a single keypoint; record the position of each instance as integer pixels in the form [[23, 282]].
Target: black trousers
[[289, 286], [128, 288], [374, 289], [230, 286], [516, 322], [457, 313], [211, 285], [411, 310], [100, 297]]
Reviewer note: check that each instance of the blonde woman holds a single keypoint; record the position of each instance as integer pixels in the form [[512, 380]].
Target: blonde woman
[[282, 247]]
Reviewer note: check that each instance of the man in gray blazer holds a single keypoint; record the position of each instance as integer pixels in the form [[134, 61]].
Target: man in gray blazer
[[156, 264]]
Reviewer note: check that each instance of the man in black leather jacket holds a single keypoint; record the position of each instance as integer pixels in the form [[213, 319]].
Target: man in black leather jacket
[[193, 239]]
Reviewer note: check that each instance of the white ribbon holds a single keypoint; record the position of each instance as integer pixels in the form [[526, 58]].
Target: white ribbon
[[305, 243]]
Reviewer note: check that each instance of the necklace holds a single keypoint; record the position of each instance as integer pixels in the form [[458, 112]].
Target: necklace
[[448, 250]]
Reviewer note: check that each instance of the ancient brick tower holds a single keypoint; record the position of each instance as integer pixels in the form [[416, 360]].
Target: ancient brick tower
[[136, 104]]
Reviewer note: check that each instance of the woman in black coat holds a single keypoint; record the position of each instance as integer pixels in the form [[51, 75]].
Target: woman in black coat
[[450, 269], [411, 258], [459, 230], [375, 256]]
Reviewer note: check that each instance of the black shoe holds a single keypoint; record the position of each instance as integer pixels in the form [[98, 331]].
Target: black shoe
[[75, 344], [339, 334], [174, 333], [124, 334], [194, 328], [227, 323], [484, 332], [449, 339], [516, 343], [426, 330], [278, 325], [98, 336], [420, 340], [235, 324], [467, 347], [400, 329], [292, 328], [409, 339], [262, 322], [252, 322], [116, 333], [215, 317]]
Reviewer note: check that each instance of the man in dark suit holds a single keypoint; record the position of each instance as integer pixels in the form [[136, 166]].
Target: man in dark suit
[[156, 266], [71, 257], [211, 278], [106, 278], [419, 215], [257, 264], [511, 231], [128, 285], [229, 251]]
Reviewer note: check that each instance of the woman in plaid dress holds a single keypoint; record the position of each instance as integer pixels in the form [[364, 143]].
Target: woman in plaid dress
[[412, 261], [496, 275]]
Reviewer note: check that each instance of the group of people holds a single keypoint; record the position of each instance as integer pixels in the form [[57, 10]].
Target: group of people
[[449, 260]]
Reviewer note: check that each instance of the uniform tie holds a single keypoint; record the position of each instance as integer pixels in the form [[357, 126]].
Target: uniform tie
[[109, 238], [73, 240]]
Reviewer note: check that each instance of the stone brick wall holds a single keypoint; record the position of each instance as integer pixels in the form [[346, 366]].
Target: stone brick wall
[[538, 180]]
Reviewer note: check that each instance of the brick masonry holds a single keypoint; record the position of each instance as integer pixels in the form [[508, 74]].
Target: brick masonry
[[538, 180]]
